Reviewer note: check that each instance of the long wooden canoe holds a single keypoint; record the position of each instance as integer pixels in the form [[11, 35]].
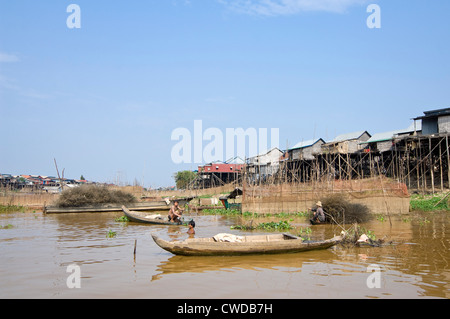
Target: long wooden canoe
[[147, 218], [157, 205], [259, 244], [105, 208]]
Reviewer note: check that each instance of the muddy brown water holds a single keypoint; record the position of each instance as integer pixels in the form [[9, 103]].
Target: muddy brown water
[[36, 252]]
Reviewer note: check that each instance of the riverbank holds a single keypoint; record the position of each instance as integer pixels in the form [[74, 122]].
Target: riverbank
[[415, 202]]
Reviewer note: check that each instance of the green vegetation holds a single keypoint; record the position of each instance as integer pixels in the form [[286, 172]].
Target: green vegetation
[[9, 226], [281, 225], [233, 212], [111, 234], [305, 233], [355, 232], [223, 211], [11, 209], [184, 178], [422, 221], [270, 226], [285, 215], [122, 219], [428, 203], [93, 195]]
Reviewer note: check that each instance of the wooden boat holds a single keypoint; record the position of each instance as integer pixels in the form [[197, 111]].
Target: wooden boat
[[245, 245], [105, 208], [158, 205], [147, 218]]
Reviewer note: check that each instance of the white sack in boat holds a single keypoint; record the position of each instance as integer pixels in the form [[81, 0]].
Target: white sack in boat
[[229, 238], [155, 216]]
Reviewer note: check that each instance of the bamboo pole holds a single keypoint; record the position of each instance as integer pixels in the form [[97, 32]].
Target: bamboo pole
[[385, 201], [417, 167], [57, 171], [448, 162], [440, 166], [431, 164]]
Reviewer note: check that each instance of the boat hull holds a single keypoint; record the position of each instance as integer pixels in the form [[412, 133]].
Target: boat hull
[[208, 247], [140, 218], [160, 205]]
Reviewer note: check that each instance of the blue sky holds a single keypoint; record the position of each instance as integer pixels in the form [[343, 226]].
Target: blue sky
[[104, 99]]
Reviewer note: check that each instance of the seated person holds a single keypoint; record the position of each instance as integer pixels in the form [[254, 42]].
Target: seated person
[[175, 213], [319, 214]]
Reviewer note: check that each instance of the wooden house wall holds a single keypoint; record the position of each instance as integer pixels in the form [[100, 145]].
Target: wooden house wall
[[307, 153], [444, 124]]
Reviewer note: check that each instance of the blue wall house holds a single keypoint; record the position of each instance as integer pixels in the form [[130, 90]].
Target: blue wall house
[[436, 121]]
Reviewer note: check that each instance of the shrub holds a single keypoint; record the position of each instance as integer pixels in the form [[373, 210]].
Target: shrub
[[342, 211], [86, 195]]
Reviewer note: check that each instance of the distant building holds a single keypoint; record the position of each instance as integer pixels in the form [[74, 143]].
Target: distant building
[[37, 182], [346, 143], [218, 167], [219, 173], [305, 150], [265, 164], [384, 142], [436, 121]]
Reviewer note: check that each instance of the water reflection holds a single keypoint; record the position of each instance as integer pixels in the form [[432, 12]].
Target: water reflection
[[184, 264]]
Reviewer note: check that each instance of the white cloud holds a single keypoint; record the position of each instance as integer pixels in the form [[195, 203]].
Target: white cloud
[[289, 7], [5, 57]]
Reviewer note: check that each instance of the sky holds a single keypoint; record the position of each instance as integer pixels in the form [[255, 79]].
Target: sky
[[104, 99]]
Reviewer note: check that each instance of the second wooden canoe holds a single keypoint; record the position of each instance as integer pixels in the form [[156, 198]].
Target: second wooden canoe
[[243, 245], [147, 218]]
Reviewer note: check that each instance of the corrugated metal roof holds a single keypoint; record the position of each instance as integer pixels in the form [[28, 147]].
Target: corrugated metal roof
[[348, 136], [434, 113], [380, 137], [386, 136], [235, 160], [307, 143]]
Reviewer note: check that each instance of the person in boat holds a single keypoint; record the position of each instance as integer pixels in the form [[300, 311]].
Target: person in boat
[[191, 230], [175, 213], [319, 214]]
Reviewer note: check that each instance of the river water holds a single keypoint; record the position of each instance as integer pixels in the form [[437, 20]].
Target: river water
[[38, 251]]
